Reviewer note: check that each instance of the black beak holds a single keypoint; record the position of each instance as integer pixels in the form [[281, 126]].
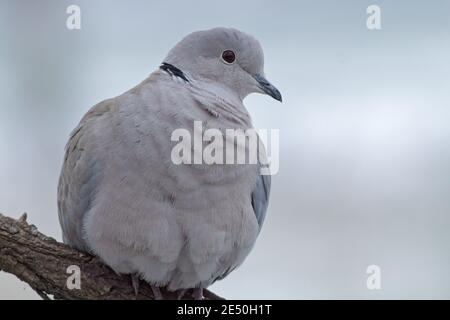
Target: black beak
[[268, 88]]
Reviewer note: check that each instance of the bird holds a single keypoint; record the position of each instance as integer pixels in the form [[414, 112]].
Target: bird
[[122, 198]]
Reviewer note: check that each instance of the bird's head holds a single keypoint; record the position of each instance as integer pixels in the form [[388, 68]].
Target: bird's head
[[226, 57]]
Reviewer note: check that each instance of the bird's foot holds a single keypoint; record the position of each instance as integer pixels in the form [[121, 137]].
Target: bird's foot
[[196, 293], [156, 292], [181, 293], [157, 295], [135, 283]]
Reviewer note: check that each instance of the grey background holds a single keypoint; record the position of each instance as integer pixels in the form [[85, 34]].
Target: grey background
[[364, 130]]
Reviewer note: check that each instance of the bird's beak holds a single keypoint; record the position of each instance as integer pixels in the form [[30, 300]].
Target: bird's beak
[[268, 88]]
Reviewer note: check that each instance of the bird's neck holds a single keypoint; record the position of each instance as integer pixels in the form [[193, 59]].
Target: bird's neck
[[221, 101]]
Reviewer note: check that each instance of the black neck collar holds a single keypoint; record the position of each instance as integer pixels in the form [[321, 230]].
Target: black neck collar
[[173, 71]]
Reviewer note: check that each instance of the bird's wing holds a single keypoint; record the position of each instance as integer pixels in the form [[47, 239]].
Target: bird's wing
[[260, 198], [79, 178]]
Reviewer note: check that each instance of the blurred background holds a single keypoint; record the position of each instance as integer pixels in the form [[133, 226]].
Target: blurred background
[[364, 173]]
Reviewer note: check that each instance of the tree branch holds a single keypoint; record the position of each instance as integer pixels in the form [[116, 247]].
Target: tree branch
[[42, 262]]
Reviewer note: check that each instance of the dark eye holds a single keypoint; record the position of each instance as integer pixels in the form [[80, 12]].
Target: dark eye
[[228, 56]]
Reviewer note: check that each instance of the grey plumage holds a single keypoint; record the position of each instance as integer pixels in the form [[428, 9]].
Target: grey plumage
[[121, 197]]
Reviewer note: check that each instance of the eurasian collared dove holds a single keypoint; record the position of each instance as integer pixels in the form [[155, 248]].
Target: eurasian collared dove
[[120, 196]]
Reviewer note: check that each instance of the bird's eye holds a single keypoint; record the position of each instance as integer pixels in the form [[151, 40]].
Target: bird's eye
[[228, 56]]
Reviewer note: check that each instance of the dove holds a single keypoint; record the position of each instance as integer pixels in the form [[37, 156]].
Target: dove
[[123, 199]]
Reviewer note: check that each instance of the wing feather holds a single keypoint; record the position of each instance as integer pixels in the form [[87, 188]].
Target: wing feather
[[260, 198], [79, 178]]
